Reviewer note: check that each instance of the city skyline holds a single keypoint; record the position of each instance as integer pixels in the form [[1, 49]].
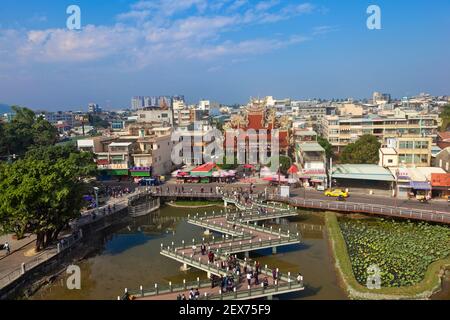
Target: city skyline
[[202, 49]]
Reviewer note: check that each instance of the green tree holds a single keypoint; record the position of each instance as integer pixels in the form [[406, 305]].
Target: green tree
[[98, 122], [445, 116], [26, 130], [43, 191], [327, 146], [2, 141], [284, 163], [363, 151]]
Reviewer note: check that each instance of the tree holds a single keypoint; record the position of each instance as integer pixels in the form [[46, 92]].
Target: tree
[[445, 117], [98, 122], [2, 141], [43, 191], [25, 131], [284, 163], [363, 151], [327, 146]]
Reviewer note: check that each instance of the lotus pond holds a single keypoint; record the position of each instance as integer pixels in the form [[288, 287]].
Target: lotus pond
[[402, 250]]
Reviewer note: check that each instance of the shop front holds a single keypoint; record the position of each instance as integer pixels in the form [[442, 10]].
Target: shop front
[[440, 183]]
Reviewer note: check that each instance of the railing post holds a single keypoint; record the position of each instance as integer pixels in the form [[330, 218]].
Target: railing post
[[22, 268], [184, 284], [249, 291], [170, 286], [142, 291]]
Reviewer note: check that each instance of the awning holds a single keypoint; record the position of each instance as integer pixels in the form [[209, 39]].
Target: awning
[[420, 185]]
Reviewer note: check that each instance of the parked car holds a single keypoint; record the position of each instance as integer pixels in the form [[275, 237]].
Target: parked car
[[320, 188], [336, 193]]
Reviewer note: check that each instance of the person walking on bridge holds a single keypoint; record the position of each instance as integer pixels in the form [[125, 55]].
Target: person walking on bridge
[[249, 278], [7, 248]]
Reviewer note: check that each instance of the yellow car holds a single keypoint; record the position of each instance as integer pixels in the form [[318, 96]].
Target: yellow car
[[336, 193]]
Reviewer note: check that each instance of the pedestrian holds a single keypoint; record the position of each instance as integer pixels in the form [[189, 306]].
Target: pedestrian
[[249, 279], [194, 248], [274, 275], [179, 297], [299, 278], [197, 294], [191, 294], [183, 297], [7, 248], [255, 275], [266, 282]]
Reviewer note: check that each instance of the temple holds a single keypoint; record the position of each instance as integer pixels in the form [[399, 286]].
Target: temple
[[254, 128]]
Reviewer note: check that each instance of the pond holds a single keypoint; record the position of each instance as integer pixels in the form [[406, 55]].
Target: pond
[[130, 257]]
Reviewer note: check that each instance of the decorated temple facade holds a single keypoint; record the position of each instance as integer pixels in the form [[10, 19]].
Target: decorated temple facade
[[255, 130]]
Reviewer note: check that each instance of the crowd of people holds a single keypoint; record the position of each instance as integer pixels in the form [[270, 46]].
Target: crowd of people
[[117, 192]]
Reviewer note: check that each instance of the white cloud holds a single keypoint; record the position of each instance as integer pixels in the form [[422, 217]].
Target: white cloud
[[161, 34], [323, 30]]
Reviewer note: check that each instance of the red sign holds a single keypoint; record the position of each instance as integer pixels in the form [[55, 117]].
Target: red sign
[[440, 179]]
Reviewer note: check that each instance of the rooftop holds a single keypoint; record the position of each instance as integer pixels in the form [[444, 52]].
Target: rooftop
[[311, 147], [362, 172], [120, 144], [388, 151]]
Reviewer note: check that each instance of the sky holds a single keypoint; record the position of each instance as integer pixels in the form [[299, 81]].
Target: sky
[[222, 50]]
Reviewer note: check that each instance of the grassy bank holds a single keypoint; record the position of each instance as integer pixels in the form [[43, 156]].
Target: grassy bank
[[430, 284]]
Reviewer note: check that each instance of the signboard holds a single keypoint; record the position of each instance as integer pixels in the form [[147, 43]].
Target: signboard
[[285, 191]]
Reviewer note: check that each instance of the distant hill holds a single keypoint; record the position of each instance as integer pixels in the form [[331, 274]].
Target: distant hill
[[4, 108]]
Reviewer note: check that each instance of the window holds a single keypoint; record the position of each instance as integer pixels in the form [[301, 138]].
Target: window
[[406, 145], [390, 161]]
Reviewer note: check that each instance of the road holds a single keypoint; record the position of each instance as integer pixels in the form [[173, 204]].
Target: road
[[301, 193]]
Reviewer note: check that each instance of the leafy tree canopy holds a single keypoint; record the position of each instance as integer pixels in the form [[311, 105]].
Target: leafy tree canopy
[[445, 116], [363, 151], [24, 131], [327, 146], [43, 191]]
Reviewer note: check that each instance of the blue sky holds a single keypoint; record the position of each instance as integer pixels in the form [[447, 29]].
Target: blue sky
[[223, 50]]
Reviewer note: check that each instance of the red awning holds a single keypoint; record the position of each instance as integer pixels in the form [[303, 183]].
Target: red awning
[[249, 166]]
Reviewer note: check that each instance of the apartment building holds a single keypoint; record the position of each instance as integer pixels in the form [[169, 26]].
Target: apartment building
[[310, 157], [163, 116], [139, 151], [411, 151], [342, 130]]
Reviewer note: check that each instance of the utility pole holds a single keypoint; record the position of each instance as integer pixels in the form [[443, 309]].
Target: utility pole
[[330, 172]]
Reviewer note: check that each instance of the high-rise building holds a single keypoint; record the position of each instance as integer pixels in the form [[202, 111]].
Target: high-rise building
[[94, 108], [381, 98], [137, 103]]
